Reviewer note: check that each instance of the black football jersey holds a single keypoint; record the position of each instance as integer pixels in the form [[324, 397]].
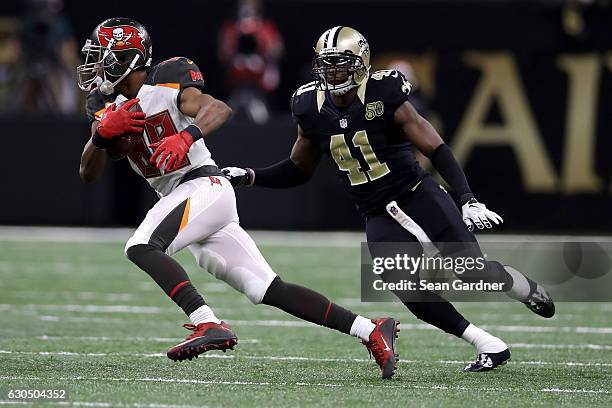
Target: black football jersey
[[375, 159], [179, 73]]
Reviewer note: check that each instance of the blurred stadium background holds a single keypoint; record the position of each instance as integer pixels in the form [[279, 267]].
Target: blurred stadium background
[[521, 90]]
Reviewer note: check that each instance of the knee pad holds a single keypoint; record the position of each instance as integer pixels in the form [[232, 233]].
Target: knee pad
[[250, 281]]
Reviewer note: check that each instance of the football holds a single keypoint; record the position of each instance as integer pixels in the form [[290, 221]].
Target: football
[[122, 146]]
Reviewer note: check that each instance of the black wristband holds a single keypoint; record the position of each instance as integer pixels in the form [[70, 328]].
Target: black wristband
[[194, 131], [100, 142], [444, 162], [466, 198], [280, 175]]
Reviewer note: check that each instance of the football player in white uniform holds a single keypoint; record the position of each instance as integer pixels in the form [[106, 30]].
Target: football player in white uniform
[[197, 206]]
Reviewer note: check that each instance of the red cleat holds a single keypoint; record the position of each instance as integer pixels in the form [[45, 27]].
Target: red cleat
[[205, 336], [382, 345]]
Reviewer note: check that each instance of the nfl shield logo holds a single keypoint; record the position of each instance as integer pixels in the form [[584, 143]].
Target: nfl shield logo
[[343, 123]]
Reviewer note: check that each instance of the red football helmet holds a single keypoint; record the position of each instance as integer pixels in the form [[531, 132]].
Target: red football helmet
[[117, 47]]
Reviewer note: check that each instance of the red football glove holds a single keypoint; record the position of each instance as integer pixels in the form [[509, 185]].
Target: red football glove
[[174, 148], [115, 122]]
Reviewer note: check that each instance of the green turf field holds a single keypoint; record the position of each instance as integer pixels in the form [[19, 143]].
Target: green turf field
[[80, 317]]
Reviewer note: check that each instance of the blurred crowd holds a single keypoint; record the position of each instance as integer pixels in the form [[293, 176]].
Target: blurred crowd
[[39, 53]]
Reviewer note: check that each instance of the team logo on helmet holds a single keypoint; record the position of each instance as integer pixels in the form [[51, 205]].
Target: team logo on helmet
[[123, 37]]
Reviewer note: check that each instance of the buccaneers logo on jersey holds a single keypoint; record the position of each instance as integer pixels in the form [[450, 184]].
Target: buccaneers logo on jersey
[[123, 37]]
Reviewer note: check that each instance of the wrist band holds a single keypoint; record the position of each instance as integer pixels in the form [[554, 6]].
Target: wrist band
[[194, 131], [466, 198], [100, 142]]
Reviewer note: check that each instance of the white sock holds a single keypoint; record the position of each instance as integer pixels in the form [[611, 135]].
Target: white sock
[[483, 341], [203, 314], [362, 328], [520, 288]]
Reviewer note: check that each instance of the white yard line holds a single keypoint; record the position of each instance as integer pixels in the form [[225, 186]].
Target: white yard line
[[295, 323], [255, 341], [348, 384], [85, 308], [154, 339], [562, 346], [290, 358], [276, 238], [423, 326]]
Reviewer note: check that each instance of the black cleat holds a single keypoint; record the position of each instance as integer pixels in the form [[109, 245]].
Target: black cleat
[[488, 361], [540, 302], [205, 336]]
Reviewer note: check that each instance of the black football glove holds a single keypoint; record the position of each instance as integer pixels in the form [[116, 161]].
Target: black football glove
[[239, 176]]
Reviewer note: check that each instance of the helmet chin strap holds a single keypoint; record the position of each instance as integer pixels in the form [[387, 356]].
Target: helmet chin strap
[[348, 85], [107, 87]]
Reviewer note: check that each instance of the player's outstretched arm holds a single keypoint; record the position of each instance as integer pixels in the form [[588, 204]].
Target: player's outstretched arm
[[293, 171], [208, 113], [423, 135]]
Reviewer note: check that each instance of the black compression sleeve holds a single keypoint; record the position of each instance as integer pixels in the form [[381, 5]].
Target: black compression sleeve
[[280, 175], [444, 162]]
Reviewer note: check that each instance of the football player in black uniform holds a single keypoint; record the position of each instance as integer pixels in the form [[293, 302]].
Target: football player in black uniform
[[197, 206], [364, 122]]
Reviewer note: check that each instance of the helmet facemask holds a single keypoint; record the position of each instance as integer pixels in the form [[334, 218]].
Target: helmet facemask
[[99, 63], [117, 47], [338, 72]]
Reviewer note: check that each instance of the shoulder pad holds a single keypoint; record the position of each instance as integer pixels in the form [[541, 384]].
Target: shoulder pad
[[302, 98], [393, 85], [95, 104], [177, 72]]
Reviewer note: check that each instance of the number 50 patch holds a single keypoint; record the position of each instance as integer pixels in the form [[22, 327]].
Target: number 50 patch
[[374, 109]]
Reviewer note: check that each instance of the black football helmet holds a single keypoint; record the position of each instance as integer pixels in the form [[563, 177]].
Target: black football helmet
[[116, 47]]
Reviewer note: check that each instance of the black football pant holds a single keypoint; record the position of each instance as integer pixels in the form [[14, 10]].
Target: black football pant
[[437, 214]]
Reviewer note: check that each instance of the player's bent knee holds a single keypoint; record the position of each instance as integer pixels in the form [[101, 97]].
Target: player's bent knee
[[132, 242], [136, 252], [251, 279], [256, 291]]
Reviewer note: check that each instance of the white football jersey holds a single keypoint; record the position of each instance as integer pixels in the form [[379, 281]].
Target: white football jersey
[[158, 99], [164, 118]]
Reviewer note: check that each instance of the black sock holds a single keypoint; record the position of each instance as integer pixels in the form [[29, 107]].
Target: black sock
[[437, 311], [308, 305], [168, 274]]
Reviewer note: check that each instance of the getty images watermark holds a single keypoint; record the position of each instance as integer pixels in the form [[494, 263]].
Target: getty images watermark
[[570, 271], [414, 266]]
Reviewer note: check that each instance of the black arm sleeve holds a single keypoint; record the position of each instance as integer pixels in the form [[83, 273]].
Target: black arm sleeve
[[444, 162], [280, 175]]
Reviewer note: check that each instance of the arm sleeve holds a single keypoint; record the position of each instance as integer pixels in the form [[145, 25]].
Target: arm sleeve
[[444, 162], [280, 175]]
